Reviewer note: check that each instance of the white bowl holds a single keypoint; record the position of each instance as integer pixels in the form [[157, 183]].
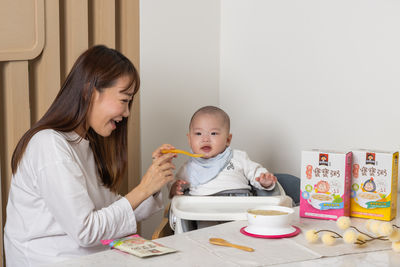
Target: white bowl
[[262, 224], [363, 198], [317, 199]]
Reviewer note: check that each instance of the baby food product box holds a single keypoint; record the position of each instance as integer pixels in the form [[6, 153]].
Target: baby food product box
[[374, 185], [325, 184]]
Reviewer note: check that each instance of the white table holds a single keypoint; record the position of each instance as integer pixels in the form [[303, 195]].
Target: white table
[[195, 250]]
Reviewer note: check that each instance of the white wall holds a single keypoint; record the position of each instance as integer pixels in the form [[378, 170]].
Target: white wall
[[179, 71], [308, 74], [292, 74]]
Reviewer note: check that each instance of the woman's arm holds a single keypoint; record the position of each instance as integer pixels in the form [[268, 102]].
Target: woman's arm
[[81, 207]]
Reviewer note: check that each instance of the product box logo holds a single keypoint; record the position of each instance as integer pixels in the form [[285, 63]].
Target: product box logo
[[370, 158], [323, 159]]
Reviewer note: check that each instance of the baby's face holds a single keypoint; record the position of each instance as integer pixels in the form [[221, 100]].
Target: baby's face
[[209, 135], [369, 186]]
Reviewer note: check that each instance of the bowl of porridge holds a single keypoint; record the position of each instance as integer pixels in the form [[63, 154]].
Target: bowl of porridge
[[270, 220], [363, 198], [316, 200]]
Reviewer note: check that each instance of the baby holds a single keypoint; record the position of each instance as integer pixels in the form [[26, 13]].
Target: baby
[[221, 170]]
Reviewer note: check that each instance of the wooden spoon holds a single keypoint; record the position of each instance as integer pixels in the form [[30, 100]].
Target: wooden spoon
[[182, 152], [223, 242]]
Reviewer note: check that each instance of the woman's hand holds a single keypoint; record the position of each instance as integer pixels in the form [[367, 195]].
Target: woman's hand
[[158, 174], [157, 153]]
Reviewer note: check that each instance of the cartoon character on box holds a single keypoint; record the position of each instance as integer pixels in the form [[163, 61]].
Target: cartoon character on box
[[369, 186], [322, 187], [368, 194]]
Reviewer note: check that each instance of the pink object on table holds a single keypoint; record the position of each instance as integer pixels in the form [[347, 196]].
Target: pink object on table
[[294, 233]]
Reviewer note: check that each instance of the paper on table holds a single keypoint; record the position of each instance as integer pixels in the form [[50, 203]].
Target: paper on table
[[138, 246]]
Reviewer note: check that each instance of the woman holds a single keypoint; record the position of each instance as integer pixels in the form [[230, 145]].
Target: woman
[[68, 166]]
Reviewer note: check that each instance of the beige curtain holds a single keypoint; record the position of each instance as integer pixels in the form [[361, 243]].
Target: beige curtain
[[39, 42]]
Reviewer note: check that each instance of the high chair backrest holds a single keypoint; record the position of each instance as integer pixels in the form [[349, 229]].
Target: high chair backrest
[[291, 185]]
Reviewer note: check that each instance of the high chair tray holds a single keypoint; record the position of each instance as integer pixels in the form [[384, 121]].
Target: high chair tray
[[221, 208]]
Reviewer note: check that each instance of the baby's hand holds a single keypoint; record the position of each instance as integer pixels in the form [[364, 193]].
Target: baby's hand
[[178, 187], [266, 179]]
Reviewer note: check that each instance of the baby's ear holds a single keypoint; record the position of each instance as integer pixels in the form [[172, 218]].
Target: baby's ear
[[228, 140], [188, 137]]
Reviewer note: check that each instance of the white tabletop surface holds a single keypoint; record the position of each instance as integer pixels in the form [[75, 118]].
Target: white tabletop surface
[[195, 250]]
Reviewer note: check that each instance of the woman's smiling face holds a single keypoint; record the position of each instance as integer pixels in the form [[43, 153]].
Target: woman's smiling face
[[209, 135], [109, 106]]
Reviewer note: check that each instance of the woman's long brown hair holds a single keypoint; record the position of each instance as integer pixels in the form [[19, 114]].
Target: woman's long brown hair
[[98, 68]]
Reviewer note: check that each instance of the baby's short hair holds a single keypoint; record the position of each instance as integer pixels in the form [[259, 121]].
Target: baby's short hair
[[214, 111]]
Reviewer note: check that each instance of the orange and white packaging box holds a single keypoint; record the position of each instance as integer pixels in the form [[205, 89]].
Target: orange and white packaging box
[[374, 185], [325, 184]]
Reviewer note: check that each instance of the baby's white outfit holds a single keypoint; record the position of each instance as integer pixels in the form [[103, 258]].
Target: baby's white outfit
[[237, 174]]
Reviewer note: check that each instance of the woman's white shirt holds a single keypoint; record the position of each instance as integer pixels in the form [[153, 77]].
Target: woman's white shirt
[[58, 207]]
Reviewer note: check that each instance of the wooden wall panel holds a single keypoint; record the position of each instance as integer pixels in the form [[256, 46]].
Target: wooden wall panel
[[16, 119], [74, 32], [25, 38], [29, 83], [45, 70], [16, 110], [2, 158], [128, 43], [103, 23]]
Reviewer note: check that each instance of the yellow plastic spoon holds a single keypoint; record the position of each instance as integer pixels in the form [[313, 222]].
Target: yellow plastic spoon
[[164, 151], [223, 242]]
